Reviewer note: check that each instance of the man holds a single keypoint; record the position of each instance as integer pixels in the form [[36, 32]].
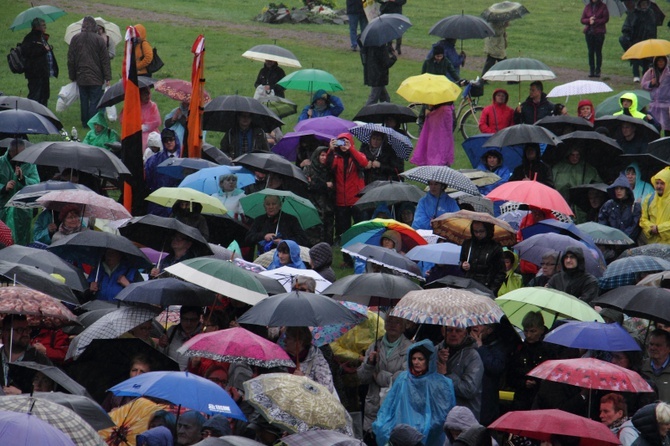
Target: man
[[268, 230], [438, 64], [458, 360], [573, 171], [15, 348], [155, 180], [377, 60], [655, 219], [189, 428], [88, 65], [495, 46], [13, 178], [244, 138], [640, 25], [657, 366], [535, 107], [40, 62], [574, 279], [357, 19], [323, 104], [189, 326], [435, 203], [532, 168], [630, 142]]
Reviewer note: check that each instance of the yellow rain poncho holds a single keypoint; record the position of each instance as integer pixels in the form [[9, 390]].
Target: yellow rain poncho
[[656, 211]]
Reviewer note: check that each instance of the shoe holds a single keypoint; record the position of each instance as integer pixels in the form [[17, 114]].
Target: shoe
[[597, 74], [592, 74], [636, 80], [353, 48]]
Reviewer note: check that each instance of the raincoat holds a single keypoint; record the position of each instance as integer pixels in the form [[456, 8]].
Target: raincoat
[[577, 281], [465, 368], [108, 280], [158, 436], [632, 111], [621, 214], [513, 281], [105, 136], [656, 211], [659, 107], [568, 175], [423, 402], [591, 118], [436, 141], [430, 206], [144, 53], [334, 106], [496, 116], [18, 220], [347, 169], [294, 262], [501, 170], [231, 201], [485, 259], [350, 346], [642, 188]]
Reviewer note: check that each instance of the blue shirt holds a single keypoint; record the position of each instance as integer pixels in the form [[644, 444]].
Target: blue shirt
[[430, 207]]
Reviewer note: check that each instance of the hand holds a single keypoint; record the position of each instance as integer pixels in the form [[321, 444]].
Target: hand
[[517, 109], [269, 236], [19, 173], [145, 128], [40, 348], [376, 164], [155, 272], [477, 336], [466, 266], [177, 114], [306, 162], [10, 185], [11, 390], [52, 228], [368, 165], [93, 287], [372, 359], [309, 113], [298, 372], [348, 368], [234, 393], [163, 341], [654, 230], [329, 184], [592, 20], [530, 383], [123, 281]]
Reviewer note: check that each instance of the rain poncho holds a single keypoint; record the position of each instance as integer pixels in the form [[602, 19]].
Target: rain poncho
[[513, 281], [633, 111], [659, 107], [656, 211], [642, 188], [294, 262], [430, 206], [621, 214], [231, 201], [501, 170], [107, 135], [17, 219], [352, 343], [423, 402], [568, 175]]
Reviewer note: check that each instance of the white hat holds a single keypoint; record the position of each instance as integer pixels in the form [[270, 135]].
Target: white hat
[[154, 140]]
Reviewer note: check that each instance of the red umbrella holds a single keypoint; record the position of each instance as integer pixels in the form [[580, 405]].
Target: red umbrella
[[542, 424], [94, 205], [531, 193]]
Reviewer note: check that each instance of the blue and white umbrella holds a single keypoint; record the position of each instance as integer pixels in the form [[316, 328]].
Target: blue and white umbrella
[[401, 144], [442, 174], [207, 180]]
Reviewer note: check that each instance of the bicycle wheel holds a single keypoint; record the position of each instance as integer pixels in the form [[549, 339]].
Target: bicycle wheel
[[469, 122], [413, 129]]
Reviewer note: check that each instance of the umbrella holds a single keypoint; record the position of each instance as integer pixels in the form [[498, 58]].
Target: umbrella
[[116, 93], [605, 235], [479, 178], [266, 258], [47, 262], [638, 301], [374, 289], [131, 419], [289, 144], [531, 193], [370, 232], [504, 12], [593, 336], [460, 283], [215, 154], [285, 275], [280, 106], [17, 102], [57, 376], [27, 196], [221, 277], [282, 56], [228, 440], [207, 180], [384, 257], [155, 232], [562, 124], [166, 292], [579, 195], [649, 164], [182, 388], [390, 192], [328, 334], [647, 48], [310, 80], [629, 270], [552, 303], [94, 205], [23, 122], [85, 407], [25, 429], [326, 125], [169, 196], [74, 155], [300, 208], [385, 28], [612, 104], [270, 162], [655, 280], [442, 174], [533, 248], [296, 403], [438, 253], [598, 150], [181, 167], [322, 437], [543, 424], [429, 89], [5, 143], [401, 144], [558, 227], [44, 12], [380, 111], [297, 309], [655, 250], [111, 30], [455, 227], [221, 113], [31, 277], [579, 88], [522, 134], [519, 69], [448, 307], [236, 345], [462, 27], [642, 127], [178, 89], [616, 8]]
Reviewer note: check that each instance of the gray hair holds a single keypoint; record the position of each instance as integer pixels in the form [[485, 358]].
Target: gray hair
[[309, 282]]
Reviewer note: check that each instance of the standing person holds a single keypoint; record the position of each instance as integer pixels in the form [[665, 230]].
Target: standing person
[[573, 171], [436, 141], [655, 219], [657, 81], [439, 64], [594, 18], [113, 274], [269, 75], [144, 52], [383, 163], [88, 65], [535, 107], [449, 46], [640, 25], [323, 104], [640, 187], [392, 7], [16, 342], [40, 62], [435, 203], [482, 257], [321, 192], [177, 120], [111, 48], [377, 60], [498, 115], [155, 180], [495, 46], [244, 138], [357, 19]]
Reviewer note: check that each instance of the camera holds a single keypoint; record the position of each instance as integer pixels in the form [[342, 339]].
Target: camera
[[339, 143]]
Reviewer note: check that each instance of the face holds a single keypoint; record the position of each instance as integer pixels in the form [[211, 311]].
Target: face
[[320, 103], [585, 111], [188, 432], [658, 349], [480, 329], [500, 97], [628, 130], [620, 193], [180, 243], [535, 93], [98, 128], [376, 140], [532, 334], [663, 429], [42, 383], [169, 144], [219, 377], [244, 120], [659, 186], [643, 5], [508, 264], [574, 157], [272, 206], [478, 230], [596, 199], [548, 267], [419, 363], [570, 261], [491, 161], [112, 257], [435, 188], [390, 122], [621, 360], [292, 345], [189, 322], [284, 257], [607, 413], [323, 157], [72, 220], [21, 337], [229, 184], [145, 95], [138, 368], [454, 336], [388, 243], [631, 176], [660, 63], [142, 331], [394, 327], [531, 153], [407, 216]]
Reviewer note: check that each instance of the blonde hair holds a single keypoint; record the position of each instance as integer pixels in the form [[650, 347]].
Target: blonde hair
[[663, 413]]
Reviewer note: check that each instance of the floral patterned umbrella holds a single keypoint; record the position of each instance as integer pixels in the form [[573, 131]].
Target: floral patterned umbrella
[[330, 333], [178, 89], [20, 300], [94, 205]]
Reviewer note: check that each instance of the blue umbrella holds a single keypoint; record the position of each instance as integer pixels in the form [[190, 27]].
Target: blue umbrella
[[473, 147], [626, 271], [439, 253], [22, 122], [207, 180], [181, 388], [27, 196], [533, 248], [558, 227], [181, 167], [593, 336]]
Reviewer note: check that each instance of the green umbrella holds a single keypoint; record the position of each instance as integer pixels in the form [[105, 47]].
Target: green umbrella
[[300, 208], [45, 12], [605, 235], [552, 303], [310, 80], [282, 107], [612, 105]]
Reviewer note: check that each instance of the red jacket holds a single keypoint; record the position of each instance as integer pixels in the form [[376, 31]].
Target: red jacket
[[496, 116], [348, 169]]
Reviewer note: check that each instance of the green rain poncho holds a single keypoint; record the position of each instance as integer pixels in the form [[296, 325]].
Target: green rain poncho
[[105, 136]]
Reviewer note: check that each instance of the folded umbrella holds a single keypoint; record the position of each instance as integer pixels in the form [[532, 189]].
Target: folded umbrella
[[401, 144], [593, 336]]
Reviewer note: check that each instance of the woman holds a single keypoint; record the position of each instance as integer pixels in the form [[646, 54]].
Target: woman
[[287, 254], [71, 222], [621, 211], [586, 110], [113, 274], [653, 422], [657, 81], [640, 187], [268, 76], [482, 257], [436, 141], [144, 53], [383, 163], [229, 194], [492, 161], [321, 191], [298, 345], [594, 18], [419, 397], [100, 133]]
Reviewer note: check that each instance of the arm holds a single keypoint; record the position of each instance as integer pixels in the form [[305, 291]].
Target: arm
[[146, 55], [590, 290], [359, 158], [484, 120], [496, 269], [421, 218], [633, 229], [175, 117], [336, 106], [106, 65], [304, 115]]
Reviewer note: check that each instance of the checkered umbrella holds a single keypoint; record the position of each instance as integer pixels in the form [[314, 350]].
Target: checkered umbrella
[[442, 174], [626, 271], [401, 144]]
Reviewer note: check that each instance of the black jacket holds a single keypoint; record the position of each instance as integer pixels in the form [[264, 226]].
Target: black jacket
[[577, 281], [387, 7], [391, 165], [270, 76], [532, 112], [289, 229], [37, 61], [533, 170], [645, 422], [486, 260], [376, 62]]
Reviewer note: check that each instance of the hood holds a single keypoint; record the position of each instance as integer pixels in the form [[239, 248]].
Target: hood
[[538, 152], [621, 181], [154, 140], [663, 175], [427, 347], [220, 424], [382, 208], [315, 156], [321, 256], [100, 119], [583, 103], [158, 436], [515, 261], [660, 57], [320, 94], [294, 251], [477, 435], [645, 421], [495, 153], [489, 231], [405, 435], [141, 31], [460, 418], [499, 90], [88, 25], [577, 252], [348, 136], [634, 112], [394, 236]]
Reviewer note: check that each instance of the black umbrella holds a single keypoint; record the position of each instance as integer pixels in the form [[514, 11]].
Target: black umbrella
[[384, 29], [56, 375], [380, 111], [660, 148], [6, 142], [270, 162], [211, 153], [371, 289], [37, 279], [221, 113], [384, 257], [522, 134], [613, 123], [638, 301], [458, 282], [579, 195], [115, 94], [223, 229], [83, 406], [563, 124], [75, 155], [598, 150], [391, 192], [17, 102], [22, 122], [47, 262], [649, 164], [272, 286], [166, 292], [155, 232], [462, 27]]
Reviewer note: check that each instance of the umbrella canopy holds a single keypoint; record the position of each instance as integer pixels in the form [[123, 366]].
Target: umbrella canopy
[[384, 257], [554, 226], [286, 276], [90, 246], [47, 262], [380, 111], [593, 336], [322, 437], [444, 175], [612, 104], [179, 90], [25, 429], [166, 292], [116, 93], [111, 30], [300, 208], [455, 227], [429, 89], [647, 48], [459, 283], [519, 69], [327, 125], [23, 122], [642, 127], [297, 403], [237, 345], [462, 27], [562, 124], [270, 162], [27, 197], [85, 407], [531, 193], [579, 195], [215, 154], [17, 102], [385, 28], [438, 253], [155, 232], [504, 12], [370, 232], [605, 235], [131, 419], [280, 106], [638, 301], [597, 149], [289, 144], [533, 248], [93, 205], [169, 196], [330, 333], [179, 168], [207, 180], [390, 192], [182, 388], [648, 163], [655, 250], [553, 304], [57, 376], [374, 289], [222, 112], [401, 144], [579, 88], [229, 440], [45, 12], [655, 280], [522, 134], [310, 80], [31, 277], [282, 56], [628, 271]]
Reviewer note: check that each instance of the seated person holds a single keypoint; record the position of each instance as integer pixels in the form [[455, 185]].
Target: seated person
[[573, 171], [113, 274], [268, 230], [180, 249], [71, 221], [323, 104], [287, 254], [532, 168], [100, 133], [435, 203], [573, 279], [492, 161], [640, 187], [244, 138], [621, 211]]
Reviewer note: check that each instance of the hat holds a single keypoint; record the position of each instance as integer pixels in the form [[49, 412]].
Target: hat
[[168, 133], [405, 435], [154, 140]]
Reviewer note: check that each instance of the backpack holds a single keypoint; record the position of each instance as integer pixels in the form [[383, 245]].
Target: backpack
[[16, 60]]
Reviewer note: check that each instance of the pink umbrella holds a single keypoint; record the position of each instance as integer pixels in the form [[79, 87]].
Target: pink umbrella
[[94, 205]]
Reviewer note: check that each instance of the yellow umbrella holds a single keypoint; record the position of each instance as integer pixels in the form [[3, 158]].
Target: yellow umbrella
[[429, 89], [131, 419], [455, 227], [647, 48], [168, 196]]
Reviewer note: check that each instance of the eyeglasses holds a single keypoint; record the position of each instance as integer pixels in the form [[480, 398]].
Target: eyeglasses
[[548, 264]]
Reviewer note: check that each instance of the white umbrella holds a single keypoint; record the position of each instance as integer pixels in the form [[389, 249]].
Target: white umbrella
[[282, 56], [111, 29], [579, 88], [519, 69], [286, 274]]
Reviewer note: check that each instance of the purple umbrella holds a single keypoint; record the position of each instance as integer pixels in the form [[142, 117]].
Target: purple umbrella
[[24, 428], [533, 248], [328, 125], [288, 145]]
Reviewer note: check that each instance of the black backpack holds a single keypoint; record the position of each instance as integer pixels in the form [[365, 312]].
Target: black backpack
[[16, 60]]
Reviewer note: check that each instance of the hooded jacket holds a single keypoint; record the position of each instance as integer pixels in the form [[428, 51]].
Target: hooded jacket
[[430, 206], [422, 402], [87, 58], [576, 281], [656, 211], [621, 214], [477, 435], [642, 188], [461, 419], [321, 256], [646, 423], [334, 106], [659, 107], [588, 102], [394, 236], [36, 55], [496, 116], [107, 135], [639, 24], [501, 170], [347, 168], [532, 112], [294, 261], [513, 281], [567, 175], [633, 110], [535, 170], [158, 436], [485, 258], [144, 52]]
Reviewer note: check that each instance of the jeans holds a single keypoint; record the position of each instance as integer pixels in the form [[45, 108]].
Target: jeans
[[356, 20], [89, 96], [378, 94], [39, 90], [594, 43]]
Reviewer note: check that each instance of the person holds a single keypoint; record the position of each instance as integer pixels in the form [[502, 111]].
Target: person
[[298, 345], [111, 47], [585, 108], [573, 171], [163, 418], [640, 24], [323, 104], [181, 248], [435, 203], [71, 220], [656, 366], [112, 275], [383, 163], [189, 427], [655, 218], [230, 195], [594, 18], [435, 146], [449, 47], [513, 280], [621, 211], [401, 406], [155, 180], [548, 267], [392, 7], [139, 364], [100, 133], [268, 76], [157, 436], [287, 254], [492, 161], [439, 64], [498, 115], [177, 121], [88, 65], [631, 142], [652, 422], [244, 137], [40, 62], [151, 117], [377, 60], [614, 414], [657, 81], [144, 52], [154, 145], [190, 213], [640, 187], [405, 435], [535, 107], [495, 46], [189, 326], [321, 259], [216, 426], [357, 20], [482, 258], [573, 278], [532, 168], [268, 230], [321, 191], [13, 178]]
